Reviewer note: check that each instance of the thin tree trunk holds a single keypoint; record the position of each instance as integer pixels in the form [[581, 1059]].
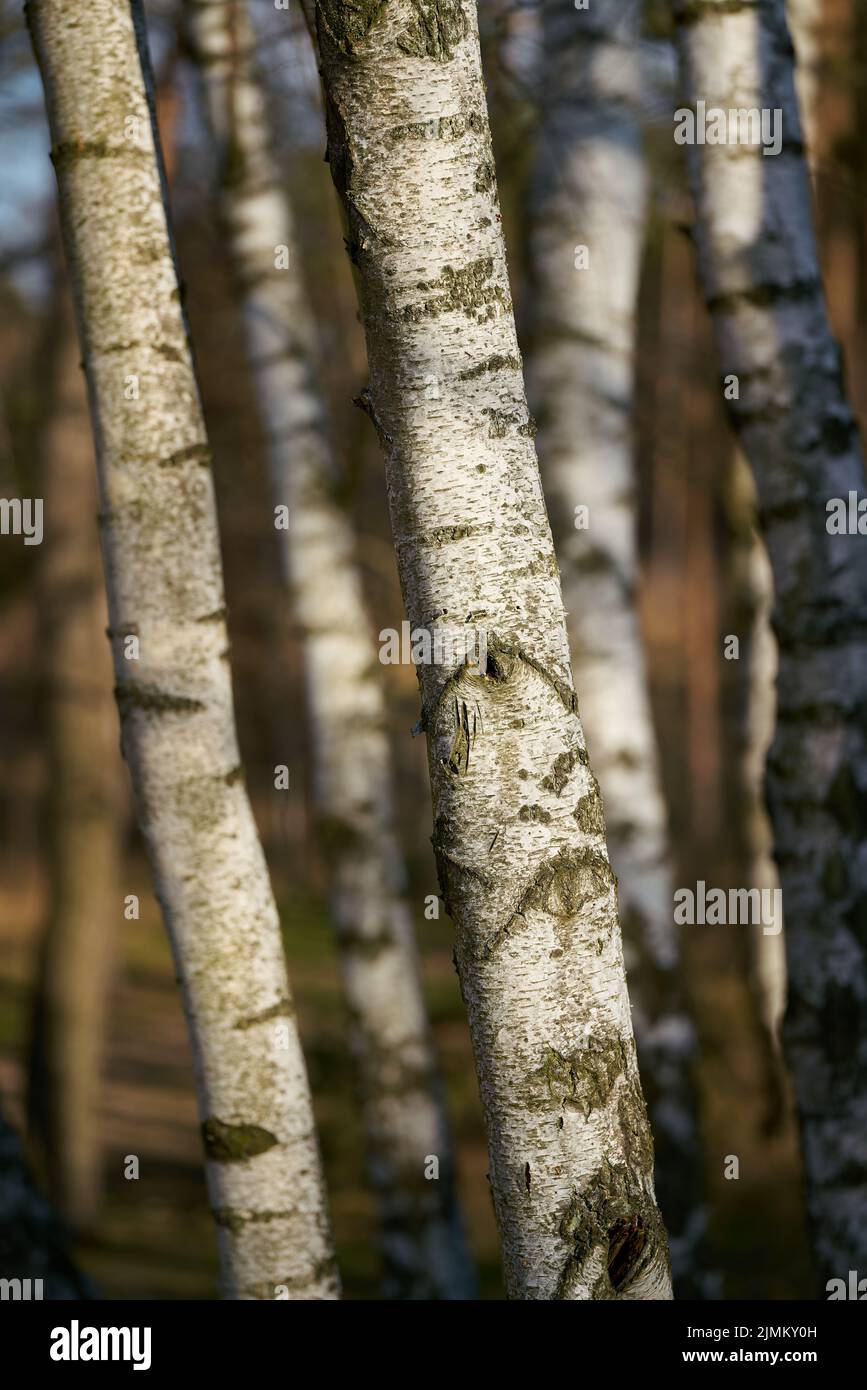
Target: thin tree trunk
[[758, 262], [86, 819], [403, 1109], [165, 590], [830, 96], [758, 654], [518, 832], [88, 807], [590, 189]]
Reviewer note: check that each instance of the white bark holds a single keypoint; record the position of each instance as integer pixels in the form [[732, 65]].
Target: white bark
[[758, 262], [758, 652], [590, 189], [422, 1242], [164, 580], [518, 831]]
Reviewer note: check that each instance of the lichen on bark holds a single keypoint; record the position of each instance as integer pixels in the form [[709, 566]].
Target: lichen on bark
[[614, 1232], [419, 1233], [163, 573], [434, 30], [533, 900], [233, 1143]]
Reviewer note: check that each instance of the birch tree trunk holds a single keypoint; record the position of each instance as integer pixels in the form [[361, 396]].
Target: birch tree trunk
[[758, 262], [590, 191], [424, 1252], [164, 580], [518, 832], [758, 652], [86, 806]]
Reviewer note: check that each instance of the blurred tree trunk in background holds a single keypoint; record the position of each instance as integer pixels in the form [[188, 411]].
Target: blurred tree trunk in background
[[162, 561], [518, 831], [754, 595], [831, 100], [759, 267], [32, 1243], [768, 950], [85, 803], [590, 191], [403, 1106], [806, 20]]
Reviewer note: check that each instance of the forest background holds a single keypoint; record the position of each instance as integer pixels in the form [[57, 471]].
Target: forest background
[[153, 1238]]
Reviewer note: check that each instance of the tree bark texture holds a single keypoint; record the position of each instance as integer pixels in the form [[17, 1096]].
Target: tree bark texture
[[589, 190], [518, 832], [759, 267], [424, 1251], [164, 580]]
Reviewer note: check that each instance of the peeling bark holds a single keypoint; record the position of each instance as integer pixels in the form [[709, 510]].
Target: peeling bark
[[759, 267], [518, 830], [163, 574], [422, 1241]]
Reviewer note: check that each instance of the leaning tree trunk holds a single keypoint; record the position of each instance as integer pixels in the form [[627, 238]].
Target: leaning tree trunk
[[590, 190], [88, 806], [404, 1117], [168, 634], [758, 262], [85, 809], [518, 831]]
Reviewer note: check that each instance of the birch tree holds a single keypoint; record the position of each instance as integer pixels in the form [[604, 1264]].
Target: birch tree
[[754, 584], [587, 219], [168, 635], [517, 819], [758, 263], [421, 1236]]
